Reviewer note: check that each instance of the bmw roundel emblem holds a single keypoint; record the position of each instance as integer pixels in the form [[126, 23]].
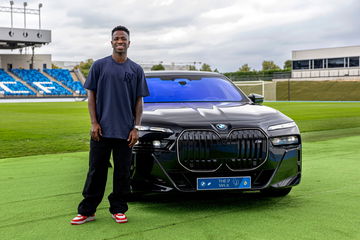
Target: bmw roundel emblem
[[221, 126]]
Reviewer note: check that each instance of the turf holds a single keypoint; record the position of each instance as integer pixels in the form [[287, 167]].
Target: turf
[[39, 196], [44, 128], [40, 128], [317, 116], [318, 90], [40, 193]]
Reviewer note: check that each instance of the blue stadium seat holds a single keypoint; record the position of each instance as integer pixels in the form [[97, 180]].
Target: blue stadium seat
[[64, 76], [41, 83], [10, 87]]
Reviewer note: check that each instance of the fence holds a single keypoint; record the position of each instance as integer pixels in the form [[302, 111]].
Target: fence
[[258, 76], [298, 74]]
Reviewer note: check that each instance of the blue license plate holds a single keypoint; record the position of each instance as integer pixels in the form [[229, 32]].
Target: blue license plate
[[223, 183]]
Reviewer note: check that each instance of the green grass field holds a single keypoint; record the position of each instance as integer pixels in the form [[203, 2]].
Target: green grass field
[[43, 128], [40, 193], [318, 90]]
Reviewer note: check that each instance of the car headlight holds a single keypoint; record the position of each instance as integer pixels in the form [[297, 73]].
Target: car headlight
[[282, 126], [154, 129], [286, 140]]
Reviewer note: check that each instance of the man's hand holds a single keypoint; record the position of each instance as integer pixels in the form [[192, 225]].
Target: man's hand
[[133, 137], [96, 132]]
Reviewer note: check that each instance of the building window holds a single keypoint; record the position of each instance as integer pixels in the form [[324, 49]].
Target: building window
[[318, 63], [44, 66], [302, 64], [353, 61], [336, 62]]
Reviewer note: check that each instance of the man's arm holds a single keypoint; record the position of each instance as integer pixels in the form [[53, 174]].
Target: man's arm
[[134, 135], [95, 126], [139, 110]]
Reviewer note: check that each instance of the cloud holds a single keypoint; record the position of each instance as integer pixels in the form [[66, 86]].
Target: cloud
[[224, 34]]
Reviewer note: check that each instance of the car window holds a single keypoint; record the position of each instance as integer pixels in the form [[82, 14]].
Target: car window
[[192, 90]]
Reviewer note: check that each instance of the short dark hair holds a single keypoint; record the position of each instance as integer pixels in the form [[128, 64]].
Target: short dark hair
[[120, 28]]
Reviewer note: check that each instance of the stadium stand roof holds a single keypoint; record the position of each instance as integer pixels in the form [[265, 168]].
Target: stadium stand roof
[[13, 38], [17, 38]]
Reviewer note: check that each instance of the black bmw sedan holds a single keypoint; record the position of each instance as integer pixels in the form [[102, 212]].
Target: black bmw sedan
[[201, 133]]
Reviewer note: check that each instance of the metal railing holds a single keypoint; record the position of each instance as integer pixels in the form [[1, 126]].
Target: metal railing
[[325, 73]]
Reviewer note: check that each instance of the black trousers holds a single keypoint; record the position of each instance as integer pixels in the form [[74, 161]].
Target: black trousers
[[100, 152]]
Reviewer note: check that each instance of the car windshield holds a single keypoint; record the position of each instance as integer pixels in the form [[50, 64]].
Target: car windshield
[[192, 89]]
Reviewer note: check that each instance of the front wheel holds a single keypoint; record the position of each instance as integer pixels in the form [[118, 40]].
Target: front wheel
[[274, 192]]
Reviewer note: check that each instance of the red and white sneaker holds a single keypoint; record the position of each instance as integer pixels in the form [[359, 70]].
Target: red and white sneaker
[[119, 217], [80, 219]]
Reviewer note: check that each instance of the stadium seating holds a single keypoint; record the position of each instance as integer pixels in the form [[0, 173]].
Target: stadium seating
[[10, 87], [64, 76], [41, 83]]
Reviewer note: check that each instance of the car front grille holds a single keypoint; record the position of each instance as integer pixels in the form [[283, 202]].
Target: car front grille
[[206, 150]]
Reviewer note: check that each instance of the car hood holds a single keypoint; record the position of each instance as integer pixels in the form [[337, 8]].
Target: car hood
[[198, 113]]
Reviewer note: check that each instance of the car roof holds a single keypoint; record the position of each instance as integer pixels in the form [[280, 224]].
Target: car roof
[[181, 73]]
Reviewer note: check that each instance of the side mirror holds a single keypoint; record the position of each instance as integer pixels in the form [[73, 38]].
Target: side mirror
[[256, 98]]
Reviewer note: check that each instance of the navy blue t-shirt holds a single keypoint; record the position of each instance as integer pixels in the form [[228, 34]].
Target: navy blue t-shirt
[[117, 86]]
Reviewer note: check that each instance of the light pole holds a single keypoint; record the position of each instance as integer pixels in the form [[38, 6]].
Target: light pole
[[25, 4], [40, 6], [11, 9]]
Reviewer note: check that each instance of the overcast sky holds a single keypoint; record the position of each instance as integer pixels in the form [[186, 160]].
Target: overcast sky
[[225, 34]]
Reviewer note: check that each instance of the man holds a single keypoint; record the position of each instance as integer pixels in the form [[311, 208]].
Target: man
[[116, 87]]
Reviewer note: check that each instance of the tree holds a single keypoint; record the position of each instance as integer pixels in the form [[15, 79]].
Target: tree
[[85, 66], [245, 68], [205, 67], [53, 66], [192, 68], [287, 65], [157, 67], [269, 65], [216, 70]]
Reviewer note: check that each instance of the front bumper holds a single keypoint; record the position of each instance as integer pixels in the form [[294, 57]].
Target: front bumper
[[160, 171]]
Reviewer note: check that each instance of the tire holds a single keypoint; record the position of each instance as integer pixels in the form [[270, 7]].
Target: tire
[[134, 196], [274, 192]]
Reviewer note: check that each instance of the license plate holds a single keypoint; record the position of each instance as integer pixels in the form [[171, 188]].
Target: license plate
[[223, 183]]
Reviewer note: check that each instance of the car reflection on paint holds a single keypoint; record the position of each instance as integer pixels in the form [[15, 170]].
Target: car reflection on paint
[[201, 133]]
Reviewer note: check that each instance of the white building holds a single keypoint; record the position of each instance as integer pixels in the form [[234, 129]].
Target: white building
[[326, 62], [25, 61], [69, 65]]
